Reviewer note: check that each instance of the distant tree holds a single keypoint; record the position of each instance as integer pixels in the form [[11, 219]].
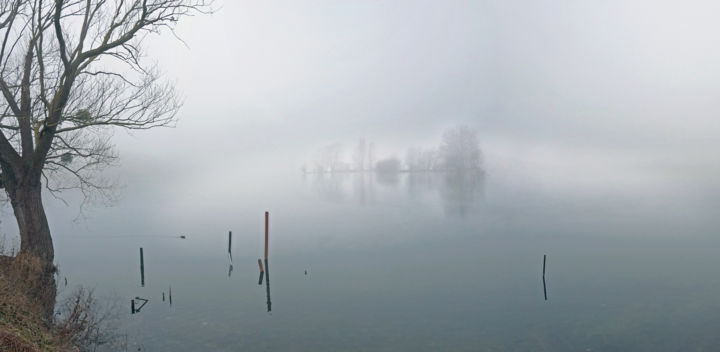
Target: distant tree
[[460, 150], [388, 165], [327, 159], [428, 160], [371, 155], [418, 159], [412, 159], [359, 156]]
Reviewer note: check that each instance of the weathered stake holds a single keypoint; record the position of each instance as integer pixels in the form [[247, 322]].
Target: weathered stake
[[142, 268], [267, 215], [132, 306], [543, 276], [230, 242]]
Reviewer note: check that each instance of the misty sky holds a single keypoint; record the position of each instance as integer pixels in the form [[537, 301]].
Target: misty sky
[[597, 86], [611, 79]]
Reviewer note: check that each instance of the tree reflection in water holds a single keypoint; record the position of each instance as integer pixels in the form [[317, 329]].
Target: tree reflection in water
[[458, 191]]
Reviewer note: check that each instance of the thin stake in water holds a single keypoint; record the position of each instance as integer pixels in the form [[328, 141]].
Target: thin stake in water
[[267, 216], [142, 268], [543, 276], [262, 271]]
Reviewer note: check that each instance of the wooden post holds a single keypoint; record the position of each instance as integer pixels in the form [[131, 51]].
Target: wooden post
[[260, 265], [142, 268], [544, 259], [267, 215], [230, 242], [132, 306], [170, 295]]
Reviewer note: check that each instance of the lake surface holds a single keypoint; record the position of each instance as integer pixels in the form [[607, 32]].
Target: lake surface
[[411, 262]]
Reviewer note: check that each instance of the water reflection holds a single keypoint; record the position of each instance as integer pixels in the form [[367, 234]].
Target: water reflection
[[267, 285], [459, 192], [230, 265], [328, 186], [363, 188], [391, 179], [262, 272]]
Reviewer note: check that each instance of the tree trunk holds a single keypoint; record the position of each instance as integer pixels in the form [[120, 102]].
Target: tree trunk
[[35, 239], [36, 247]]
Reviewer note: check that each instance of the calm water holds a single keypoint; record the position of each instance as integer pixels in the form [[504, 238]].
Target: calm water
[[412, 262]]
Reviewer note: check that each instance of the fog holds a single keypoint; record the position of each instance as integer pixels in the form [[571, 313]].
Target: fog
[[581, 94], [613, 82]]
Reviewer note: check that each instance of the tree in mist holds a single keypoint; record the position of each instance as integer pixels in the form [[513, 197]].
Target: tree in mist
[[360, 156], [371, 156], [388, 165], [460, 150], [418, 159], [327, 159], [69, 72]]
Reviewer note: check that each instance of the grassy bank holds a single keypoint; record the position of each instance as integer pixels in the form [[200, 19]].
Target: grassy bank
[[24, 325]]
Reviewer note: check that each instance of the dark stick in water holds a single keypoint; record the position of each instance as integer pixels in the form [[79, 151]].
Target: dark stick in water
[[142, 268], [543, 276]]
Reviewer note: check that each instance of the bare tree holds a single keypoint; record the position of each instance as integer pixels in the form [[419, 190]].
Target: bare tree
[[371, 156], [419, 159], [388, 165], [412, 161], [359, 155], [327, 159], [459, 150], [69, 71]]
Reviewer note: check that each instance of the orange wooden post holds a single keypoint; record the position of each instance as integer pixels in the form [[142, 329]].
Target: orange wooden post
[[267, 215]]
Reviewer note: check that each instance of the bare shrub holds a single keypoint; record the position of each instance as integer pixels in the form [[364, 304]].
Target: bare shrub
[[82, 322]]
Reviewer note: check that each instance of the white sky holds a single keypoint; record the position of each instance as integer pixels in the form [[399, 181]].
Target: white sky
[[276, 80]]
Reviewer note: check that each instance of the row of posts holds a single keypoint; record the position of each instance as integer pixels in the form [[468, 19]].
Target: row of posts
[[263, 271]]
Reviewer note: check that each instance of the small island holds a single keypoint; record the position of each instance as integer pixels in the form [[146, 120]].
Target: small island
[[458, 152]]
